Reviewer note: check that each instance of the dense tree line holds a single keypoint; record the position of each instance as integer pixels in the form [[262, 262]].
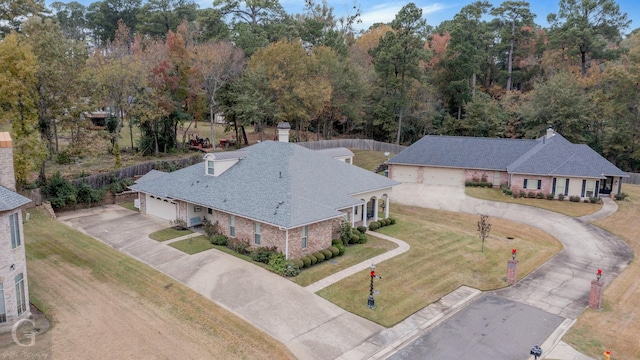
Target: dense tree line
[[164, 65]]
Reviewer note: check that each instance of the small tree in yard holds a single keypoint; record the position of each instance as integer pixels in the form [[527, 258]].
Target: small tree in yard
[[484, 227]]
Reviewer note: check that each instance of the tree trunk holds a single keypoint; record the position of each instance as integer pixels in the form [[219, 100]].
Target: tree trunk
[[399, 125], [583, 66], [510, 62], [212, 119], [473, 85], [244, 135]]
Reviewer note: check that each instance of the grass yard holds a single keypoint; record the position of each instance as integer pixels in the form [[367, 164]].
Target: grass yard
[[369, 160], [354, 254], [565, 207], [445, 254], [617, 326], [193, 245], [168, 234], [106, 305]]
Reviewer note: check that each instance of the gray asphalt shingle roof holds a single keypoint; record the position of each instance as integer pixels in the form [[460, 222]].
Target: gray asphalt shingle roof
[[279, 183], [554, 156], [10, 200]]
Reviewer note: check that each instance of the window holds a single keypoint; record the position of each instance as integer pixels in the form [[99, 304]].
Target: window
[[20, 294], [590, 188], [562, 186], [210, 167], [531, 184], [256, 233], [210, 211], [15, 230], [232, 225], [304, 237], [3, 312]]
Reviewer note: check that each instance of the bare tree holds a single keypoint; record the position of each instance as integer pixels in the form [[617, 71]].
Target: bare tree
[[484, 227]]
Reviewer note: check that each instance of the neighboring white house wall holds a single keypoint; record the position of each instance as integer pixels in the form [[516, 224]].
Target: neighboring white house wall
[[160, 207]]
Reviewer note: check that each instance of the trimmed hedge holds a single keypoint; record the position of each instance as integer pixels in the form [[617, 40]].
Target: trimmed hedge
[[335, 251], [220, 239], [306, 261], [313, 259], [319, 256], [354, 239], [298, 262], [327, 254], [362, 229], [374, 226]]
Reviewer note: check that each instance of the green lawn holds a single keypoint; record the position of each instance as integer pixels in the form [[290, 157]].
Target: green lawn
[[369, 159], [354, 254], [193, 245], [168, 234], [566, 207], [445, 254]]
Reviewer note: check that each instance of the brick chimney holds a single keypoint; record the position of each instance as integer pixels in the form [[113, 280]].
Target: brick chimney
[[7, 176], [283, 131]]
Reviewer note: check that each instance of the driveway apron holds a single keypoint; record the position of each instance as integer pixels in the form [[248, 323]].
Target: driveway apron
[[311, 327]]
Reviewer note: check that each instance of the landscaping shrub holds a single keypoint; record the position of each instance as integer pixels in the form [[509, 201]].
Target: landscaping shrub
[[621, 196], [374, 226], [574, 198], [539, 195], [594, 200], [515, 195], [486, 184], [469, 183], [392, 220], [219, 239], [63, 158], [586, 200], [277, 263], [363, 239], [508, 192], [319, 256], [354, 239], [522, 193], [327, 254], [531, 194], [239, 246], [345, 233], [88, 195], [549, 196], [298, 263], [210, 228], [362, 229], [306, 261], [119, 185], [60, 192], [335, 251], [291, 269], [560, 197], [179, 224], [341, 249], [263, 254], [314, 260], [336, 242]]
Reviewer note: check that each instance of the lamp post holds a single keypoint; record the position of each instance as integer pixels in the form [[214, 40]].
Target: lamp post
[[371, 302]]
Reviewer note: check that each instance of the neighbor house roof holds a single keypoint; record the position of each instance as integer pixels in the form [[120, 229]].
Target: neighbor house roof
[[548, 156], [10, 200], [153, 174], [336, 152], [277, 182]]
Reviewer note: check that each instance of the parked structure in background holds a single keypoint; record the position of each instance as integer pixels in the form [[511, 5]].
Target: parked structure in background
[[14, 288], [548, 165]]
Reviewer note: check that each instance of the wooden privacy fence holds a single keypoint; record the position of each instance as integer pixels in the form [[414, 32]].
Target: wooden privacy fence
[[101, 180], [358, 144], [633, 178]]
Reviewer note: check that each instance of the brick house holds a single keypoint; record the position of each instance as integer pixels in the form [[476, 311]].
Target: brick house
[[273, 193], [14, 289], [548, 165]]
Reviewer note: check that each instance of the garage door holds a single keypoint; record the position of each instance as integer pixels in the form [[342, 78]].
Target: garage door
[[405, 174], [162, 208], [443, 176]]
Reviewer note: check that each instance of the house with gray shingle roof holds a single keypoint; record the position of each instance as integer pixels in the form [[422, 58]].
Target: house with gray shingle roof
[[548, 165], [14, 289], [270, 194]]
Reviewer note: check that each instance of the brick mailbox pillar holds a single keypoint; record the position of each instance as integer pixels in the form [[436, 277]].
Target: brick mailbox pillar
[[512, 271], [595, 295]]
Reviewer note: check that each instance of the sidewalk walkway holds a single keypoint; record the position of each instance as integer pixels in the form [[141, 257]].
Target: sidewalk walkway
[[330, 280]]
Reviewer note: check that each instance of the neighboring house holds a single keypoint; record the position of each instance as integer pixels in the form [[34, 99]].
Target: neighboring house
[[549, 165], [14, 290], [271, 194]]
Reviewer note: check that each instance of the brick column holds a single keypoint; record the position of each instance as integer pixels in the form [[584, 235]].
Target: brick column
[[512, 271], [595, 295]]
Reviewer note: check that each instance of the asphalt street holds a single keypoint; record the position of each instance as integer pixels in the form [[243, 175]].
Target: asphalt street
[[489, 328]]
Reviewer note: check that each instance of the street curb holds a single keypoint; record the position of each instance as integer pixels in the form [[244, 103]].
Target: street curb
[[408, 338], [555, 338]]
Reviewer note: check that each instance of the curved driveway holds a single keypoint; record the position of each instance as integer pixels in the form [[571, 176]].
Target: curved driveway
[[561, 285]]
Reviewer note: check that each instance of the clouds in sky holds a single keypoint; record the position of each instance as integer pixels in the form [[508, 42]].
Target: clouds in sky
[[386, 12]]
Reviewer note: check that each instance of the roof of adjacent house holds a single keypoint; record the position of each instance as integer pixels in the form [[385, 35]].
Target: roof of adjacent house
[[153, 174], [277, 182], [336, 152], [10, 200], [547, 156]]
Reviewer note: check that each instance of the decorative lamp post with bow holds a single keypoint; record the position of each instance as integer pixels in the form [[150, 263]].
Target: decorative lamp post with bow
[[371, 303]]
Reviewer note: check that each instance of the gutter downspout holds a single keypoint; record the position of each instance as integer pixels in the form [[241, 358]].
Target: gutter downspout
[[286, 251]]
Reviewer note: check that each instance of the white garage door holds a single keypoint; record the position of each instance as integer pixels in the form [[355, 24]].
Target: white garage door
[[405, 174], [443, 176], [162, 208]]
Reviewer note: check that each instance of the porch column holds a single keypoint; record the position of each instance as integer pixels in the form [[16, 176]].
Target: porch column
[[364, 214], [375, 209], [387, 204], [353, 216]]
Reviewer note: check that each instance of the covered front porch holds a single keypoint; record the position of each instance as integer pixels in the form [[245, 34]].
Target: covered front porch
[[375, 206]]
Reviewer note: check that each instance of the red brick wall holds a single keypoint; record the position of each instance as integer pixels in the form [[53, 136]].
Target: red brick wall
[[517, 183]]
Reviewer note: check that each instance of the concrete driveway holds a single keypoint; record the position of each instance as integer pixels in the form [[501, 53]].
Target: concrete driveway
[[311, 327]]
